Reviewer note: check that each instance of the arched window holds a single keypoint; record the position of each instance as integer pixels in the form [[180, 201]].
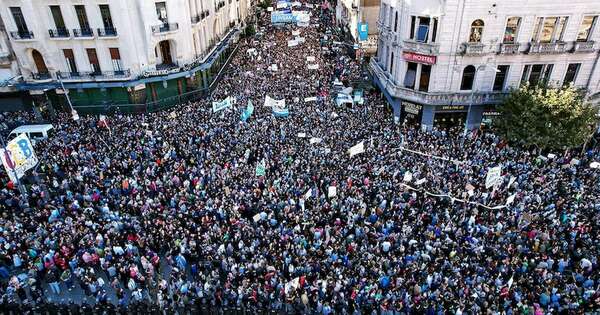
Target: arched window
[[476, 31], [468, 78]]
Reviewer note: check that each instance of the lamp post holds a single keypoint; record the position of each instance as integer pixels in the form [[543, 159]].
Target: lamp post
[[62, 86]]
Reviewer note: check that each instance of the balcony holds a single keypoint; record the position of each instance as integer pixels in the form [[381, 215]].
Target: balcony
[[433, 98], [94, 76], [220, 5], [421, 48], [473, 49], [584, 47], [196, 19], [107, 32], [204, 14], [41, 76], [548, 48], [509, 49], [21, 35], [85, 32], [59, 33], [166, 27]]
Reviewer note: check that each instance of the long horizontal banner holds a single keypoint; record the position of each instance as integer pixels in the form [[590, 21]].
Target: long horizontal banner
[[270, 102], [218, 106]]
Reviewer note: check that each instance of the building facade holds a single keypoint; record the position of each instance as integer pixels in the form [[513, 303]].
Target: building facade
[[445, 63], [359, 19], [117, 52]]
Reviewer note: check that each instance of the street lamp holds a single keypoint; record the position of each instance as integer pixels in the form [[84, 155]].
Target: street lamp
[[480, 67]]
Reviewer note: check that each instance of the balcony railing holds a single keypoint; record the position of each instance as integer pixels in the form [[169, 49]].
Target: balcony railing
[[204, 14], [548, 48], [584, 46], [59, 33], [107, 32], [166, 27], [21, 35], [421, 48], [196, 19], [509, 48], [84, 32], [90, 75], [433, 98], [472, 49], [41, 76]]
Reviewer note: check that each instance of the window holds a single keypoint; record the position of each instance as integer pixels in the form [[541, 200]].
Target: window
[[571, 74], [476, 31], [549, 29], [468, 78], [115, 57], [106, 17], [500, 80], [59, 22], [424, 80], [585, 30], [396, 22], [423, 30], [161, 11], [392, 64], [82, 17], [537, 74], [419, 29], [19, 19], [70, 60], [411, 74], [512, 28], [93, 58]]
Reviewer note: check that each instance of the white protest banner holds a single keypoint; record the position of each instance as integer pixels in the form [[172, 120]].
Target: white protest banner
[[292, 43], [309, 5], [270, 9], [421, 181], [217, 106], [295, 33], [332, 191], [595, 165], [313, 67], [358, 148], [314, 140], [310, 99], [407, 177], [270, 102], [493, 176], [18, 157], [299, 39], [551, 156], [301, 135], [273, 67], [310, 58]]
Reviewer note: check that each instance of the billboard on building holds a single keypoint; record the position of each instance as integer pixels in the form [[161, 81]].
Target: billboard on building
[[363, 31]]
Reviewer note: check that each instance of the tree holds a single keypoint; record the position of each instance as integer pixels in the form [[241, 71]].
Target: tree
[[547, 118]]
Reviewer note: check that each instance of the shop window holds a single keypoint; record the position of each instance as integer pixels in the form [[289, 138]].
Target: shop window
[[571, 74], [500, 80], [424, 79], [411, 74], [585, 30], [511, 30], [468, 78], [476, 31]]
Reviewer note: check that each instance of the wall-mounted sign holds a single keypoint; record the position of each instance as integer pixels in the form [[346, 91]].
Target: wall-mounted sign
[[451, 108], [419, 58], [363, 31], [412, 108]]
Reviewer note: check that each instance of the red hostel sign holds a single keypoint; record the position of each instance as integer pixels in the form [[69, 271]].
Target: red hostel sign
[[409, 56]]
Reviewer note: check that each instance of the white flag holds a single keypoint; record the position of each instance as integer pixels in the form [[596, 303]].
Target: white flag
[[511, 199], [359, 148], [308, 194], [314, 140], [332, 191]]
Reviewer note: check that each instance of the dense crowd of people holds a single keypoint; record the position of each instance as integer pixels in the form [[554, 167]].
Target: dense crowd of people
[[166, 209]]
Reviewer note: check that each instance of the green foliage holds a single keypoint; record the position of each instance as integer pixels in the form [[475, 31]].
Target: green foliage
[[265, 4], [547, 118], [249, 31]]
